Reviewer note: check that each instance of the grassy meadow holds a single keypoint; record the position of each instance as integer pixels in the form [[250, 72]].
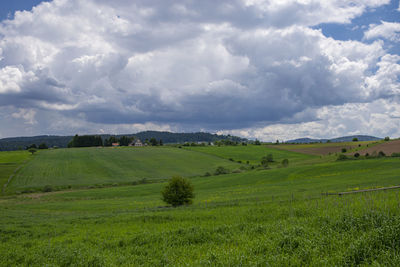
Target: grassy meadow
[[253, 153], [10, 162], [255, 217], [67, 168]]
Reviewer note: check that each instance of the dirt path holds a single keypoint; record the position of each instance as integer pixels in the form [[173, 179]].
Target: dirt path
[[12, 175], [363, 190]]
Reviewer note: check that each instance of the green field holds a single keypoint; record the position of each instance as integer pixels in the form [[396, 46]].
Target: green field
[[252, 153], [274, 217], [97, 166], [9, 164]]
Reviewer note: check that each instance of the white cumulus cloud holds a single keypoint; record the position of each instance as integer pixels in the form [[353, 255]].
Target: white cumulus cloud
[[386, 30], [86, 65]]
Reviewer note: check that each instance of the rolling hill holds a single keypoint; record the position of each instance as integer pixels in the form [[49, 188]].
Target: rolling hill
[[257, 217], [20, 143], [77, 167], [335, 140]]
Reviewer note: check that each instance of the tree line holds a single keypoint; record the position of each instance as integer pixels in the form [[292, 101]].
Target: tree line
[[97, 140]]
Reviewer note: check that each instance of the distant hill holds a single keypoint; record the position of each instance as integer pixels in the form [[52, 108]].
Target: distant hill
[[335, 140], [169, 137], [17, 143]]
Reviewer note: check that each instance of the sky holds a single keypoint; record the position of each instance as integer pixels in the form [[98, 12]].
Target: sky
[[254, 68]]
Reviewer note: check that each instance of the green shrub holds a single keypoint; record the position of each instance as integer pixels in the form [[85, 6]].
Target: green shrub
[[264, 162], [342, 157], [395, 154], [178, 191], [356, 155], [47, 188], [267, 159], [381, 154], [387, 138], [221, 170], [344, 150]]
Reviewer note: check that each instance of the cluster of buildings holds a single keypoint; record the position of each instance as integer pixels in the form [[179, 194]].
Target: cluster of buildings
[[136, 142]]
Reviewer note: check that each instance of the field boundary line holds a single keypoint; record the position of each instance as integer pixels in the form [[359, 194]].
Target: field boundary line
[[364, 190], [12, 175]]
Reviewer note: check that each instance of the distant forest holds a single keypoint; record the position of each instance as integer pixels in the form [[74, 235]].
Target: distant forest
[[20, 143]]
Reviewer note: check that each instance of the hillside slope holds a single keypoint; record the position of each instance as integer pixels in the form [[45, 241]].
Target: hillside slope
[[335, 140], [19, 143], [274, 217], [95, 166], [388, 148]]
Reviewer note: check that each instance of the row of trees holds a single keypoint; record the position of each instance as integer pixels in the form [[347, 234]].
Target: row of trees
[[154, 142], [86, 141], [34, 146], [224, 142], [96, 140]]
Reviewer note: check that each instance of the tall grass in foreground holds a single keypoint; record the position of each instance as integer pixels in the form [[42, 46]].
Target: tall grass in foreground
[[359, 229]]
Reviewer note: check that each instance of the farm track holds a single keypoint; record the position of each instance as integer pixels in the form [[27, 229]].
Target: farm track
[[363, 191], [12, 175]]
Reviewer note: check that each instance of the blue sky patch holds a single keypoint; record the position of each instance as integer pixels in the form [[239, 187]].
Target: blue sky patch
[[8, 7]]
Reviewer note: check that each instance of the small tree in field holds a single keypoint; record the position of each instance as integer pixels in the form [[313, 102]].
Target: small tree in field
[[32, 150], [178, 191]]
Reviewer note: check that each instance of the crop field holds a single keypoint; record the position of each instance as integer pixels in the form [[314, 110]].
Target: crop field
[[97, 166], [9, 163], [252, 153], [325, 148], [258, 217], [388, 148]]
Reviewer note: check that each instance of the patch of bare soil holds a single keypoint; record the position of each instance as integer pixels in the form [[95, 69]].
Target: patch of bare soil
[[388, 148]]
